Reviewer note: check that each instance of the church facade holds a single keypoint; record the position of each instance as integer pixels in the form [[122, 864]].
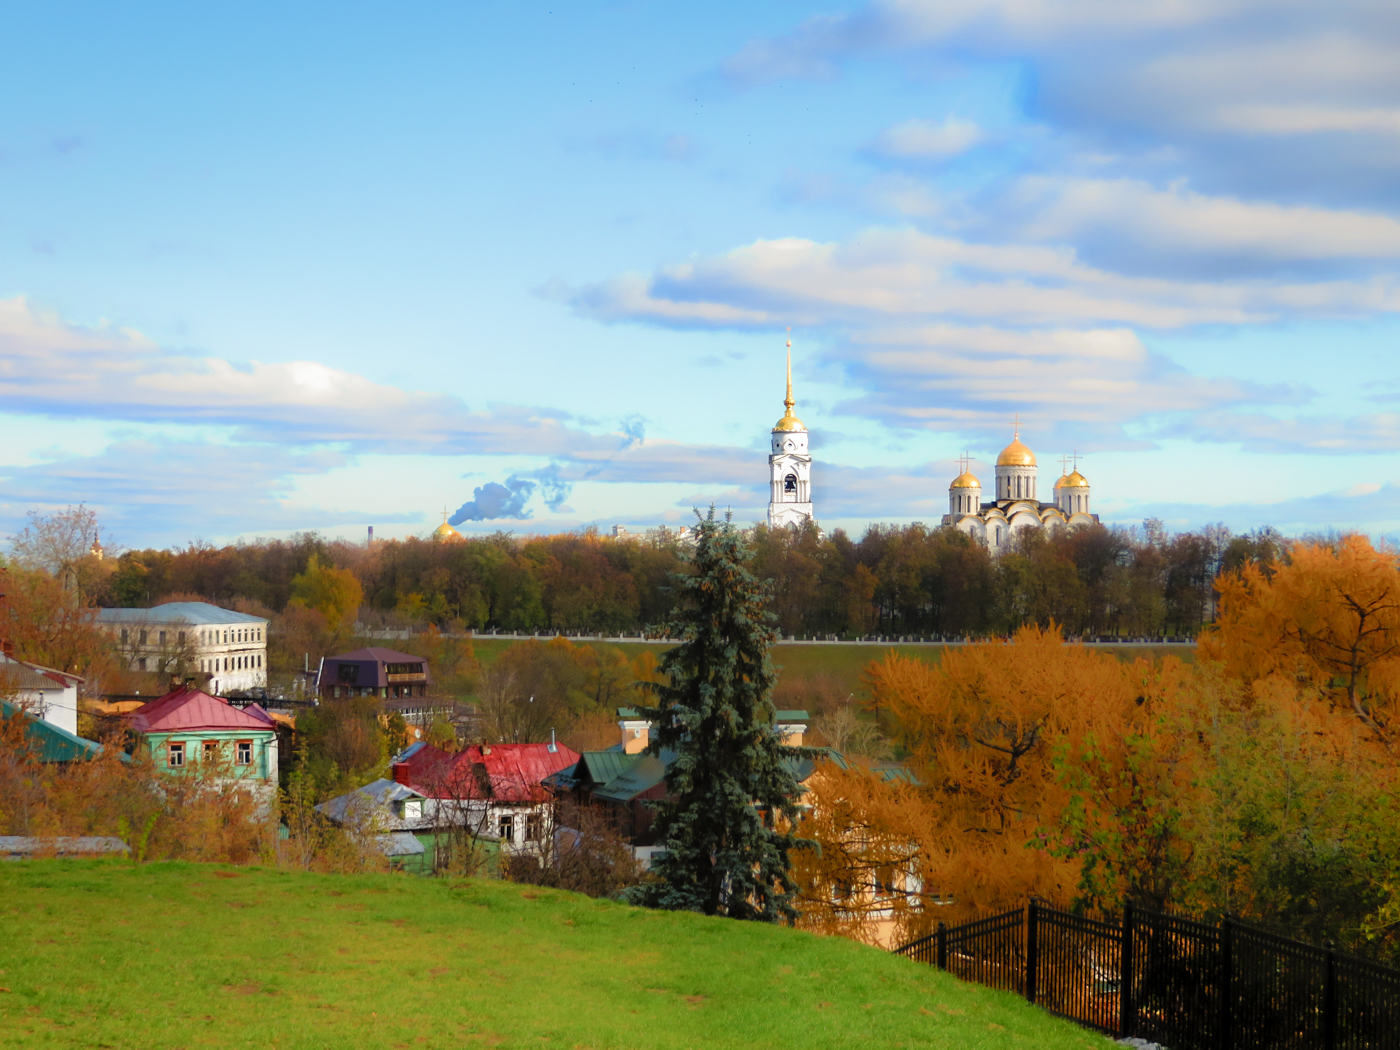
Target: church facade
[[789, 466], [1015, 504]]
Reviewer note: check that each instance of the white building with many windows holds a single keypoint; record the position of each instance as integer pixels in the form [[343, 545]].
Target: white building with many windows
[[193, 637]]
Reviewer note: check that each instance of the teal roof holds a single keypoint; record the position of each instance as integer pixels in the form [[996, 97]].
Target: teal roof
[[52, 743], [886, 771], [789, 716], [599, 767], [640, 776]]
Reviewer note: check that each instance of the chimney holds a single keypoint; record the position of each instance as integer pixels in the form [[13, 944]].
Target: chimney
[[636, 732], [401, 772]]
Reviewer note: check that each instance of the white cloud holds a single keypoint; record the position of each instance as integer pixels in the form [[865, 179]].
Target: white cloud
[[1143, 218], [173, 491], [1371, 433], [926, 140], [945, 376], [892, 274], [48, 366], [1273, 119]]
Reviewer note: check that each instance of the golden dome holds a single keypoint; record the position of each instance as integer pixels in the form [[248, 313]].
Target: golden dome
[[965, 480], [446, 533], [1016, 455], [789, 420], [1075, 480]]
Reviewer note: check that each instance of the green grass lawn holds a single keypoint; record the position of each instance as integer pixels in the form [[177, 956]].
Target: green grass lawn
[[106, 954]]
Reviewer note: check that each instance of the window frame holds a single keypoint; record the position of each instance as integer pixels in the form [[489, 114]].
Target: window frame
[[175, 748], [239, 747]]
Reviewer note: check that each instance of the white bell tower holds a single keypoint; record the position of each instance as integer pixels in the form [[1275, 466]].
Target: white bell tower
[[789, 466]]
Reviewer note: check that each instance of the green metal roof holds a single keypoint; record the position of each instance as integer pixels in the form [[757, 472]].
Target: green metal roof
[[789, 716], [640, 776], [599, 767], [52, 743]]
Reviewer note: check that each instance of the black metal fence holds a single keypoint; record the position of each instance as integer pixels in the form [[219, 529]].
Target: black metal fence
[[1185, 984]]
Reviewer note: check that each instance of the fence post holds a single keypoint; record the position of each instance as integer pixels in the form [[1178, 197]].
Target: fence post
[[1032, 950], [1227, 967], [1126, 1019], [942, 946], [1329, 1002]]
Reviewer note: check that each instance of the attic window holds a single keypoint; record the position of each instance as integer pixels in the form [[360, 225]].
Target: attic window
[[176, 754]]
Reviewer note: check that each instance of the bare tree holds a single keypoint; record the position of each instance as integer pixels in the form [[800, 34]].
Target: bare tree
[[67, 545], [580, 851]]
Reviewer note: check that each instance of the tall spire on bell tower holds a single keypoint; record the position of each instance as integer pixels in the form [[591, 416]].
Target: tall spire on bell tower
[[788, 402], [789, 420], [790, 465]]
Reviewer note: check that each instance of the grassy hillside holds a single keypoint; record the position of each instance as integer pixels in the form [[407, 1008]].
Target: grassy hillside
[[111, 955]]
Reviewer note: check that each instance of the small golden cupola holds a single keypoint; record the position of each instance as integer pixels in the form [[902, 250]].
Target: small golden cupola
[[1072, 491], [965, 493]]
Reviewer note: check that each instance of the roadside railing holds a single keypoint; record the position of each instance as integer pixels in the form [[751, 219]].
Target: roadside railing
[[1172, 980]]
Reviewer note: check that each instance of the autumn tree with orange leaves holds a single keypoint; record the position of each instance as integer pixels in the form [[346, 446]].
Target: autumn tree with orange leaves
[[1031, 762], [1328, 616]]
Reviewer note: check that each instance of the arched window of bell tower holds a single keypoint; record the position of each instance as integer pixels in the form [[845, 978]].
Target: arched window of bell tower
[[790, 483]]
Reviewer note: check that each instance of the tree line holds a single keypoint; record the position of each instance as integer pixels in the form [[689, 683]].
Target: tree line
[[893, 580]]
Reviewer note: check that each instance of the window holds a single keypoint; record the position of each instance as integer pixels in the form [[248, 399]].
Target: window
[[125, 635], [412, 808], [790, 483], [180, 638], [348, 673], [507, 827], [211, 751], [534, 825], [142, 638], [141, 664], [243, 753], [161, 638], [175, 754]]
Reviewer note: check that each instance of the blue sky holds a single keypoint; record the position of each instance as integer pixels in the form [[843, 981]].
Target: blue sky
[[275, 267]]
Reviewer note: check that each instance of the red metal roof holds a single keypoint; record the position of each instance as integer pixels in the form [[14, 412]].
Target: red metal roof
[[186, 710], [501, 772]]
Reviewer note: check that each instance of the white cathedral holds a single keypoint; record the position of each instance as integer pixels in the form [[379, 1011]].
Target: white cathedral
[[1016, 506], [994, 523]]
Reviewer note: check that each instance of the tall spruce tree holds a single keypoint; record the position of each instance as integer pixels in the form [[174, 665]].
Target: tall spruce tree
[[730, 781]]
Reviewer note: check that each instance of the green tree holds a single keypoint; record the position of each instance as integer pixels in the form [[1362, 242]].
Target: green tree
[[335, 593], [729, 783]]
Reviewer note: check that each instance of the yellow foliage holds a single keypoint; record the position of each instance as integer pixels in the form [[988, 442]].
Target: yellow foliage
[[1327, 617]]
